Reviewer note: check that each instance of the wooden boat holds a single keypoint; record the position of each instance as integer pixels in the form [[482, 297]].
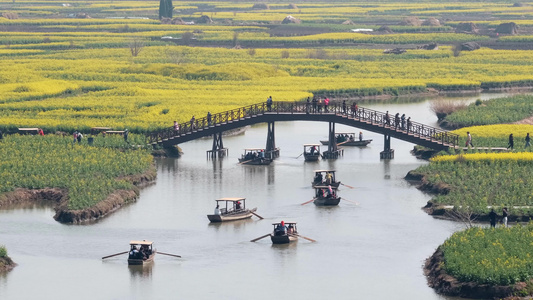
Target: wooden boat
[[347, 139], [254, 156], [141, 252], [326, 196], [233, 213], [284, 237], [311, 152], [320, 178]]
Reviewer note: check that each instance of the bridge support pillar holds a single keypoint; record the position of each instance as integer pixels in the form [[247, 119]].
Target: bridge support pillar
[[333, 151], [218, 147], [387, 153], [270, 150]]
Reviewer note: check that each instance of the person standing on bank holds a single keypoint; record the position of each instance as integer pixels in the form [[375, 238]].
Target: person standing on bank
[[528, 140], [492, 218], [468, 139], [504, 216], [126, 135], [511, 142]]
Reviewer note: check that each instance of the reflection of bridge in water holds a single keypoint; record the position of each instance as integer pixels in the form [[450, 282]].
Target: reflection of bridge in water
[[363, 118]]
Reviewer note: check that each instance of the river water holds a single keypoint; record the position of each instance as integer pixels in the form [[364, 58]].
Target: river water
[[374, 249]]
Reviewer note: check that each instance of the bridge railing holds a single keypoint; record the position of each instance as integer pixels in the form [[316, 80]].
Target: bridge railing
[[360, 113], [206, 122]]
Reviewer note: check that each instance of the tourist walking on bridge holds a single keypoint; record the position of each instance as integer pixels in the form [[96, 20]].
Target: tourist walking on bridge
[[326, 104], [396, 121], [354, 109], [193, 125], [409, 123], [269, 103], [307, 105], [208, 118], [344, 106], [528, 140], [387, 118], [315, 101]]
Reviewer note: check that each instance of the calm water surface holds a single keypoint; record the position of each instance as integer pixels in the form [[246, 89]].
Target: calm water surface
[[371, 250]]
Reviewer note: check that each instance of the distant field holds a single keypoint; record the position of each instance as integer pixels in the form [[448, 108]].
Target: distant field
[[63, 71]]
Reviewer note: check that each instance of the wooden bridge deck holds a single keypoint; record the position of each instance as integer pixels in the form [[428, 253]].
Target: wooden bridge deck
[[363, 118]]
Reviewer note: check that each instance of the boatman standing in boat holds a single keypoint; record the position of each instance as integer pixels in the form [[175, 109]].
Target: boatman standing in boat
[[318, 177], [329, 178]]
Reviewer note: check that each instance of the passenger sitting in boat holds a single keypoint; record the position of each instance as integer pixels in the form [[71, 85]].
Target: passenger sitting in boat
[[217, 211], [360, 135], [143, 253], [313, 150], [134, 252], [290, 230], [238, 205], [281, 229], [330, 192], [351, 138], [318, 177]]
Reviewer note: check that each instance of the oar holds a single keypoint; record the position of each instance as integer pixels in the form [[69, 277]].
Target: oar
[[308, 202], [342, 143], [115, 254], [350, 201], [243, 162], [293, 234], [257, 215], [348, 186], [261, 237], [168, 254], [299, 155]]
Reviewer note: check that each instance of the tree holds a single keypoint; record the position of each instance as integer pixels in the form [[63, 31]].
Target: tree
[[165, 9], [136, 46]]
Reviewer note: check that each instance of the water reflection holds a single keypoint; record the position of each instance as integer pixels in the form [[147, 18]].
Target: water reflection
[[238, 226], [141, 272], [386, 168]]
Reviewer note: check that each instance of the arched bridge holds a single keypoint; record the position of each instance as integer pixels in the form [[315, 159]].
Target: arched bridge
[[363, 118]]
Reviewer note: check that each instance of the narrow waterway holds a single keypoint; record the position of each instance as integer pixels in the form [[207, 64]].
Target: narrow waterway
[[369, 250]]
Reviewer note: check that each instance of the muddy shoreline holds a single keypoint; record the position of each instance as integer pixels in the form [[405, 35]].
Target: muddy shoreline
[[58, 198], [446, 284], [6, 264]]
